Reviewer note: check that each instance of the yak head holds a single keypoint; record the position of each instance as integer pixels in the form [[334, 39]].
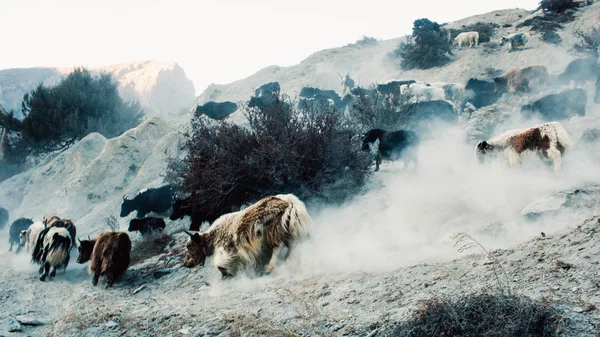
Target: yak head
[[198, 248], [135, 225], [370, 137], [127, 206], [180, 209], [23, 237], [85, 250], [482, 149]]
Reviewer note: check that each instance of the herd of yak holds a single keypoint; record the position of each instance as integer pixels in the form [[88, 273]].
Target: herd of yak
[[255, 236]]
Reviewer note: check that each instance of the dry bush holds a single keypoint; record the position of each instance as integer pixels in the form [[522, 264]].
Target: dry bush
[[466, 242], [149, 246], [589, 40], [112, 223], [312, 154], [371, 110], [558, 6], [482, 315]]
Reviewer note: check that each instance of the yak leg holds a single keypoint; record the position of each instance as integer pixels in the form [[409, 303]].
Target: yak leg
[[274, 257], [96, 277], [377, 161], [555, 155], [11, 244], [41, 270], [19, 248], [46, 270], [53, 273], [110, 279], [289, 251]]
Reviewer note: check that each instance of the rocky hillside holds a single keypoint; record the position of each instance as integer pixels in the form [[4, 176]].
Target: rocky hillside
[[372, 63], [370, 262], [161, 87]]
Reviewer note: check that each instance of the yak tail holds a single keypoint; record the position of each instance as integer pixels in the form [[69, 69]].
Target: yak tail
[[38, 249], [58, 253], [562, 137], [299, 222]]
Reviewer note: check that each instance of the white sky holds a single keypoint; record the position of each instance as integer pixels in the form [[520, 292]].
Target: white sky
[[215, 41]]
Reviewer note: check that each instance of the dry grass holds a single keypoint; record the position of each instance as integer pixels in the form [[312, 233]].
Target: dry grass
[[481, 315], [149, 246], [466, 242], [112, 223]]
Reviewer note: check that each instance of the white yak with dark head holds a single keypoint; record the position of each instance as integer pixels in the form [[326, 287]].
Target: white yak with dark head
[[549, 141], [52, 249], [253, 237]]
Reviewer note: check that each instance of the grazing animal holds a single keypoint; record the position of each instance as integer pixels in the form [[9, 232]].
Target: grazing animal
[[30, 236], [310, 97], [563, 105], [453, 92], [580, 71], [483, 99], [522, 79], [182, 207], [479, 86], [52, 249], [265, 95], [392, 87], [418, 92], [146, 225], [347, 83], [216, 110], [470, 38], [427, 111], [515, 40], [55, 221], [3, 218], [549, 140], [392, 145], [253, 237], [157, 200], [110, 254], [15, 232]]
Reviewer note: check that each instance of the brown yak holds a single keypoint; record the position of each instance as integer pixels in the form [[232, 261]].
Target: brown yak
[[253, 237], [109, 255], [522, 79]]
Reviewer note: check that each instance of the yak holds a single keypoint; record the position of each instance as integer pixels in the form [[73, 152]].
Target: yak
[[52, 249], [109, 255], [182, 207], [146, 225], [253, 237], [392, 145], [563, 105], [156, 200], [549, 140], [15, 232], [3, 218]]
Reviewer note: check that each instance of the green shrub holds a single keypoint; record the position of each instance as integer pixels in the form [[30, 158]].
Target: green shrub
[[430, 48]]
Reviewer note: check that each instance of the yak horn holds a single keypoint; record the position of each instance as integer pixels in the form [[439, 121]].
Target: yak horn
[[89, 237], [78, 239], [188, 233]]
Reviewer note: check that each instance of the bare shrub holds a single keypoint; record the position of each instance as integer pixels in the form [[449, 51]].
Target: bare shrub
[[372, 110], [558, 6], [492, 72], [310, 153], [466, 242], [149, 246], [548, 24], [482, 315], [551, 37], [589, 40], [112, 223], [365, 41]]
